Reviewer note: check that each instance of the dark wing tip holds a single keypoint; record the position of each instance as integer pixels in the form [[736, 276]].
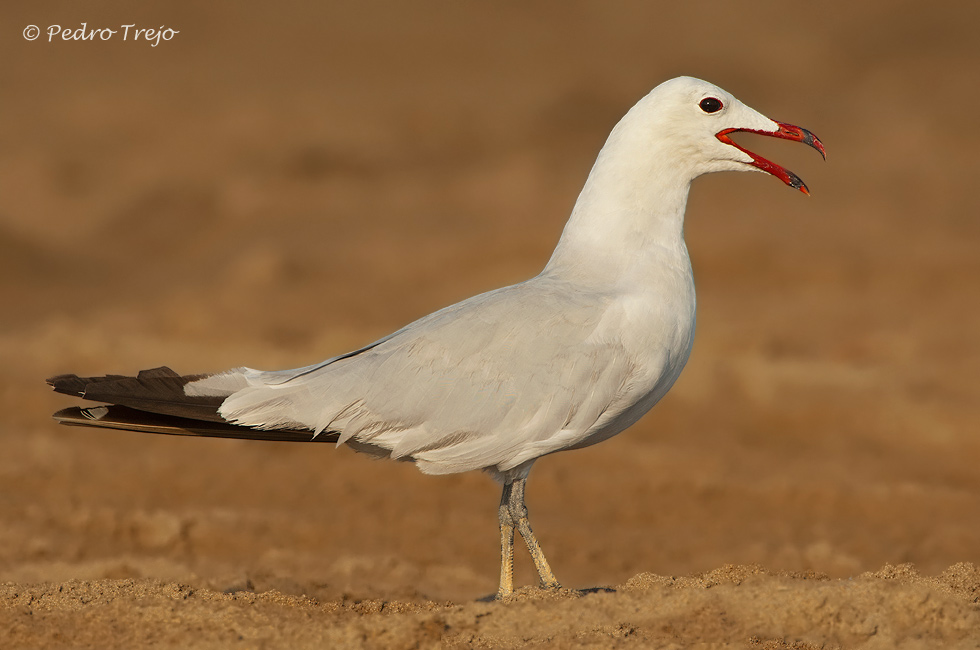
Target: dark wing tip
[[68, 384], [128, 419]]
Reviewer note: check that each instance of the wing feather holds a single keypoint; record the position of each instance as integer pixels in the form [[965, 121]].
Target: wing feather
[[471, 386]]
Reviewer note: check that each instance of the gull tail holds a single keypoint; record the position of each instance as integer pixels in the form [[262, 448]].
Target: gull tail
[[155, 401]]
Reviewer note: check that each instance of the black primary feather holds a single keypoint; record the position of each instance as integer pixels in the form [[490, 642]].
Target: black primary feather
[[125, 418], [154, 402], [159, 390]]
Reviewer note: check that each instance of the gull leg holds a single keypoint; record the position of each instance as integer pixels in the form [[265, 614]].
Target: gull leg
[[506, 544], [518, 513]]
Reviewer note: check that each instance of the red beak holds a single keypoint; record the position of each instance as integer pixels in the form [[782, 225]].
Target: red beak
[[786, 132]]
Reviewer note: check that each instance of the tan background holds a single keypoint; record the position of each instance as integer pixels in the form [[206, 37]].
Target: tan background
[[283, 182]]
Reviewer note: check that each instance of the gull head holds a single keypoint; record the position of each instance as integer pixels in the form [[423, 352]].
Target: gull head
[[696, 120]]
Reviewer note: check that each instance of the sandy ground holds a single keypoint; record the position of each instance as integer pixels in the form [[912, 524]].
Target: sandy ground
[[282, 182]]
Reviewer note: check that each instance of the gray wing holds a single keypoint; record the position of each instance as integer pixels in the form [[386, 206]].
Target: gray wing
[[494, 381]]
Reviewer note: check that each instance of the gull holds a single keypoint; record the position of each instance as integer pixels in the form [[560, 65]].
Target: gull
[[564, 360]]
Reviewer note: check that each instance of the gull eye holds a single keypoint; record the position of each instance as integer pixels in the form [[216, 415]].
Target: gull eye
[[711, 105]]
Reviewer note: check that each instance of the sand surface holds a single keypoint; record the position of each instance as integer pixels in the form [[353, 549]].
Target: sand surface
[[282, 182]]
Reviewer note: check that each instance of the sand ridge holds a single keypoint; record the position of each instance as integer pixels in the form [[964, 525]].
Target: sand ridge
[[893, 607]]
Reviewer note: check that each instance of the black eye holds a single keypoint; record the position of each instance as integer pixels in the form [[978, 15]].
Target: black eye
[[710, 105]]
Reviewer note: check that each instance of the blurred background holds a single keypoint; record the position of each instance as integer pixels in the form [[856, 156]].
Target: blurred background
[[283, 182]]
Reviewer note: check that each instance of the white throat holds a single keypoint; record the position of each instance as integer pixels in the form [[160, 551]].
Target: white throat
[[630, 214]]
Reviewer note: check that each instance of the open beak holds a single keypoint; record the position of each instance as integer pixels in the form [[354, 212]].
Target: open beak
[[786, 132]]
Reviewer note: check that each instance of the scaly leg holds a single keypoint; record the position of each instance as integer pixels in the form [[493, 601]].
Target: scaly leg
[[518, 514], [506, 544]]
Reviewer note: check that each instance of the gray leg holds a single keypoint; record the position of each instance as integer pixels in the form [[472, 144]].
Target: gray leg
[[518, 515]]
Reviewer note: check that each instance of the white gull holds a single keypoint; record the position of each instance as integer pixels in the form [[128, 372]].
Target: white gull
[[564, 360]]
